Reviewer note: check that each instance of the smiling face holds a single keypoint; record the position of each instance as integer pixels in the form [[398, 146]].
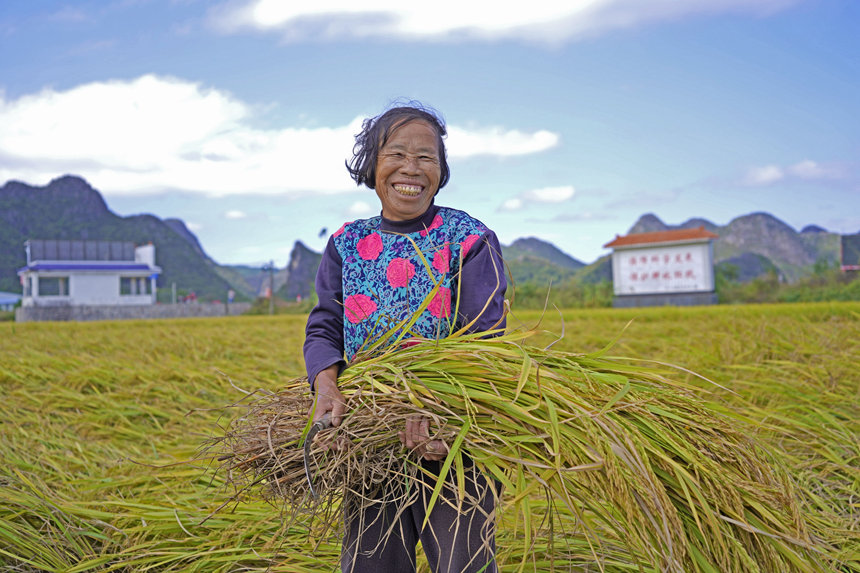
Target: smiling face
[[408, 171]]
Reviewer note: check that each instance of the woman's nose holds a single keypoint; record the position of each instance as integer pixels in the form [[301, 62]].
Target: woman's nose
[[410, 164]]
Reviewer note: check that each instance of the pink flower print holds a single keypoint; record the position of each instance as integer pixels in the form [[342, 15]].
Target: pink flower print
[[340, 231], [442, 259], [399, 272], [369, 247], [358, 307], [437, 222], [440, 306], [467, 244]]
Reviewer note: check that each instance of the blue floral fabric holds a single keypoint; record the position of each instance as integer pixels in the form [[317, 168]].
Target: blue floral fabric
[[388, 276]]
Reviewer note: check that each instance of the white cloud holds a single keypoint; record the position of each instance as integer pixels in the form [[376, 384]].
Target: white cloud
[[807, 169], [763, 175], [514, 204], [70, 14], [583, 217], [543, 21], [361, 209], [496, 141], [155, 133], [543, 195], [235, 214], [811, 170], [551, 194]]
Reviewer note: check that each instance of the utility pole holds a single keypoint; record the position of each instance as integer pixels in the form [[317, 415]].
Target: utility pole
[[271, 287]]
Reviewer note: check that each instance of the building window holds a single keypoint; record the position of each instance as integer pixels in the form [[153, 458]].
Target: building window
[[53, 286], [130, 286]]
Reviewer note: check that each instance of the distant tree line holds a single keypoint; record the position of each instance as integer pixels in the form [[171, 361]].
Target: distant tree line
[[826, 283]]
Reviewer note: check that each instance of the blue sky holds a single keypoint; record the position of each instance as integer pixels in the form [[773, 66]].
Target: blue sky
[[566, 122]]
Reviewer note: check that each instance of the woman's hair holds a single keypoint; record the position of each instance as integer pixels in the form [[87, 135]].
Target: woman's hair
[[375, 132]]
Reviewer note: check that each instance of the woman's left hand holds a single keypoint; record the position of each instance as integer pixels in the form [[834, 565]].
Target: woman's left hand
[[416, 437]]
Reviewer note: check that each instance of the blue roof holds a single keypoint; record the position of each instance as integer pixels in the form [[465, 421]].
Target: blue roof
[[9, 298]]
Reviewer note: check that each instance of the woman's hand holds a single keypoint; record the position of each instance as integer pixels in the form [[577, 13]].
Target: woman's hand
[[417, 437], [328, 396]]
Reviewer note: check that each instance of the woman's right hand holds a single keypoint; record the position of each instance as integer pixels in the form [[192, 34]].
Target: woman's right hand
[[328, 396]]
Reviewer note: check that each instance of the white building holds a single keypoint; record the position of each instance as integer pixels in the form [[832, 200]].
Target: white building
[[8, 300], [663, 268], [88, 273]]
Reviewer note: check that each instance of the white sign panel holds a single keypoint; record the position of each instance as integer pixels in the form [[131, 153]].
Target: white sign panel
[[673, 268]]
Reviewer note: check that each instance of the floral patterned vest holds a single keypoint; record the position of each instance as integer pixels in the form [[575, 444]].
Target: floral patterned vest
[[387, 276]]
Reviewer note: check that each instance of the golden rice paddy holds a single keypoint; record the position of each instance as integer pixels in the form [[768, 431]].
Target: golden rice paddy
[[101, 425]]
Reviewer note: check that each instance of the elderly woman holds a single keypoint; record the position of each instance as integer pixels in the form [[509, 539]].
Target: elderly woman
[[371, 276]]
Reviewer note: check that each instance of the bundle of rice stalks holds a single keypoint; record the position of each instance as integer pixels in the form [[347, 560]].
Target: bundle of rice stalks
[[605, 464]]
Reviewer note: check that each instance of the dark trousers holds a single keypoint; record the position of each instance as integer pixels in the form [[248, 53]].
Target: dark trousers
[[381, 538]]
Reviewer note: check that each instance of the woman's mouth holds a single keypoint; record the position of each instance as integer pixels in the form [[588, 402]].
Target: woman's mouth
[[408, 190]]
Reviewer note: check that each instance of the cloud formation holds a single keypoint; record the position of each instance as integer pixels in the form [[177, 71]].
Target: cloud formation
[[542, 195], [807, 170], [361, 209], [764, 175], [497, 141], [157, 133], [545, 21], [551, 194]]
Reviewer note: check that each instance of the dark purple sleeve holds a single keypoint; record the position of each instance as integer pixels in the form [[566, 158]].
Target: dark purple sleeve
[[482, 285], [324, 332]]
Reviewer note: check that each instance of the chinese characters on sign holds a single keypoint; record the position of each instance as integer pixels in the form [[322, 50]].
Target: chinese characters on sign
[[668, 269]]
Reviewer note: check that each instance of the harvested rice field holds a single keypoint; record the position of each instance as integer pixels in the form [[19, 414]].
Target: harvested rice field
[[103, 427]]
